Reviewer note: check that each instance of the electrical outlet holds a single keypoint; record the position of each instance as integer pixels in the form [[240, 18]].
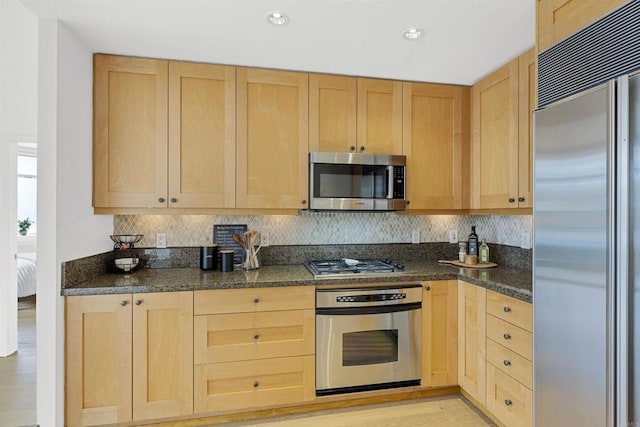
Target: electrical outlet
[[453, 236], [415, 236], [161, 240], [265, 239], [525, 240]]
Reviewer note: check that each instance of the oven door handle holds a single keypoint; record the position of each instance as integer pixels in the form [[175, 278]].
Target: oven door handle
[[379, 309]]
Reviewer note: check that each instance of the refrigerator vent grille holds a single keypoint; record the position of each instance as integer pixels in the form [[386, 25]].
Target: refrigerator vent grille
[[606, 49]]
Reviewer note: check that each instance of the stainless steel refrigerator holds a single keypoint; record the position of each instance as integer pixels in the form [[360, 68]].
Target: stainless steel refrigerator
[[586, 290]]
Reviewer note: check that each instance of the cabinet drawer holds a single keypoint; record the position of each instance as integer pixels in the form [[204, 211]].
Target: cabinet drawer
[[254, 384], [255, 299], [507, 399], [514, 338], [249, 336], [510, 363], [510, 309]]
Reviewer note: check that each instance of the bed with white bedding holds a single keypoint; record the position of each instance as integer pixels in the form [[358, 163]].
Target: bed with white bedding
[[26, 274]]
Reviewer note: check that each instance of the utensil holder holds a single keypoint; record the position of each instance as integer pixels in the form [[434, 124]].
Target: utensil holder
[[251, 259]]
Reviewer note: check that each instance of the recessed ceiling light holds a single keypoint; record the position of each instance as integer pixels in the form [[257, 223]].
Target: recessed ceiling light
[[413, 33], [277, 18]]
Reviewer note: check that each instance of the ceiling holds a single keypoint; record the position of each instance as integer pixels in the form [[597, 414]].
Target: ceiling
[[464, 39]]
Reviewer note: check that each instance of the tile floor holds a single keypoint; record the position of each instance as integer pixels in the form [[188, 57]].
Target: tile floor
[[18, 372]]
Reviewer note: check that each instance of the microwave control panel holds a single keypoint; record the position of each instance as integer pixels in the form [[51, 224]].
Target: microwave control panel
[[398, 182]]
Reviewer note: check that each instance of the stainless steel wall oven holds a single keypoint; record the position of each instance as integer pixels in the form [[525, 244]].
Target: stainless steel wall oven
[[368, 337]]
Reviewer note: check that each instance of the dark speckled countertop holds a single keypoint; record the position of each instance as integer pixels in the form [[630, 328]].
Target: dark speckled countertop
[[510, 281]]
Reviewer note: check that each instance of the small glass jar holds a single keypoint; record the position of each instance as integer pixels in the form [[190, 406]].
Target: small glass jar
[[462, 251]]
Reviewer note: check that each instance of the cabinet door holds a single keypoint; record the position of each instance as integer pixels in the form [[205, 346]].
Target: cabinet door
[[272, 141], [471, 340], [526, 104], [162, 355], [98, 359], [379, 116], [332, 113], [129, 132], [202, 135], [433, 129], [439, 333], [558, 19], [494, 162]]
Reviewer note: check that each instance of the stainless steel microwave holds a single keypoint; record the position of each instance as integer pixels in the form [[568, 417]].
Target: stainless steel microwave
[[356, 182]]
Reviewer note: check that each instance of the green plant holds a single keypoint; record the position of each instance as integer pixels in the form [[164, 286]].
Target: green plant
[[23, 225]]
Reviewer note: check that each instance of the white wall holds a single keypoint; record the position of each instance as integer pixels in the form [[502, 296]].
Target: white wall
[[67, 228], [18, 59]]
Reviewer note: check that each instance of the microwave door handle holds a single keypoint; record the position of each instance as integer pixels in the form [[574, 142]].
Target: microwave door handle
[[390, 182]]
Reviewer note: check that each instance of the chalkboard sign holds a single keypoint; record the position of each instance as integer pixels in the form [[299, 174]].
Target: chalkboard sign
[[223, 236]]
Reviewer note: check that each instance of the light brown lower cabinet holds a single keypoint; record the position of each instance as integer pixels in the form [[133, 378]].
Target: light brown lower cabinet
[[439, 333], [507, 399], [128, 357], [471, 340], [253, 347]]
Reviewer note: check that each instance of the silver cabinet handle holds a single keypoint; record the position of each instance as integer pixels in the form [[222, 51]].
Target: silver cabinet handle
[[161, 199], [428, 288], [123, 303], [521, 199], [256, 384], [506, 363], [362, 148], [507, 309], [256, 300], [508, 402], [352, 148], [506, 336], [512, 200], [304, 202], [256, 336], [173, 200], [138, 302]]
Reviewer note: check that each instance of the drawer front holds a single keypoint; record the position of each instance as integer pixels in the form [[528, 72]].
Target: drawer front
[[510, 309], [510, 363], [254, 384], [514, 338], [507, 399], [250, 336], [222, 301]]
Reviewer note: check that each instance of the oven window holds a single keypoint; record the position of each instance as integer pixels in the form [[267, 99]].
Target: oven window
[[369, 347], [350, 181]]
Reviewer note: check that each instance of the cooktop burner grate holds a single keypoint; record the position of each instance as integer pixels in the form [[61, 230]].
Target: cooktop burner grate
[[340, 267]]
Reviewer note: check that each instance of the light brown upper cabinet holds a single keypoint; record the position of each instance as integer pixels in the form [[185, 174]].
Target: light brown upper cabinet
[[202, 139], [558, 19], [130, 132], [349, 114], [164, 134], [435, 123], [272, 139], [526, 104], [332, 113], [494, 151], [502, 107]]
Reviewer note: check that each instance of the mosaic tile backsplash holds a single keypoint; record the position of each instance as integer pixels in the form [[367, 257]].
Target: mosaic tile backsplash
[[325, 228]]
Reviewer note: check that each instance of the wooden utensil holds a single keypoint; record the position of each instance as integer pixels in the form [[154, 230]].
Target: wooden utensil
[[462, 264]]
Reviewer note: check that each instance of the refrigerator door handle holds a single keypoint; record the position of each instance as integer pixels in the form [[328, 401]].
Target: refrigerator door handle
[[623, 250]]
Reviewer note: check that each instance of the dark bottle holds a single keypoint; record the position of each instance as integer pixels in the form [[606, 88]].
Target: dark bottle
[[473, 241]]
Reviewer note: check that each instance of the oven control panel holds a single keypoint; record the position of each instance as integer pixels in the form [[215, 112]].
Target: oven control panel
[[371, 298]]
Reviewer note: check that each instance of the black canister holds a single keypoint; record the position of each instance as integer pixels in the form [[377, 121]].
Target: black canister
[[226, 260], [209, 257]]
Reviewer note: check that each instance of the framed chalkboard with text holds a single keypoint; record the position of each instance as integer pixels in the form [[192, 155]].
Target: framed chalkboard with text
[[223, 236]]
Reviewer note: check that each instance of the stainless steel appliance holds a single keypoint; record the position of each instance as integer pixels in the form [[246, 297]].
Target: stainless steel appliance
[[346, 266], [586, 294], [368, 337], [346, 181]]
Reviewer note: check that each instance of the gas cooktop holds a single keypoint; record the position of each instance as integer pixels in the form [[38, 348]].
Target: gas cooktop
[[346, 266]]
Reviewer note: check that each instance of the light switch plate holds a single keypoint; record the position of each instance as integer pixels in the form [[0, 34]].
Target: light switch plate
[[525, 240], [161, 240], [453, 236], [415, 236]]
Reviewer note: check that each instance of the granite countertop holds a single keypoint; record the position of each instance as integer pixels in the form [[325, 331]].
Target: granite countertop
[[509, 281]]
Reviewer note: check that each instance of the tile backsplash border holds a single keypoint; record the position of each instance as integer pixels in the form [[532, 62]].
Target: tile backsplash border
[[326, 228]]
